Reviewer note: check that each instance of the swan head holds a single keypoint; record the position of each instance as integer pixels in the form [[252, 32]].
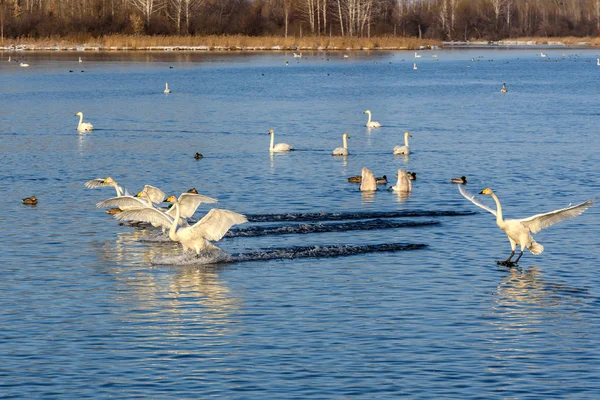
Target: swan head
[[109, 180], [346, 136], [79, 114], [171, 199], [407, 134], [271, 131], [367, 112], [487, 191]]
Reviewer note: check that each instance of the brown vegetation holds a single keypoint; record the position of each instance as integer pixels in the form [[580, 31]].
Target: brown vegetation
[[319, 19]]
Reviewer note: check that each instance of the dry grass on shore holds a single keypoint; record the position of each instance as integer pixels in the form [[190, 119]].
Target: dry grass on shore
[[566, 40], [227, 41]]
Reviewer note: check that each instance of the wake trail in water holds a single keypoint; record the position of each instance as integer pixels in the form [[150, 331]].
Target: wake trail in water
[[352, 215], [285, 253], [302, 229]]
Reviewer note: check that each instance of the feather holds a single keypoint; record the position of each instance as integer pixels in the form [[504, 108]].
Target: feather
[[541, 221], [215, 224], [146, 214], [472, 199]]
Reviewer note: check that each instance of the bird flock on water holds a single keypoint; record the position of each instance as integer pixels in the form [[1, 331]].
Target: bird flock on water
[[145, 207]]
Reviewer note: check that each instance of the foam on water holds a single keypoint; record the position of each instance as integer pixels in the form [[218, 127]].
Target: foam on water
[[326, 251]]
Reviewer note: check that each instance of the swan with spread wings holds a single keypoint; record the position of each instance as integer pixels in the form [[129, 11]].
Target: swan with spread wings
[[197, 237], [519, 230]]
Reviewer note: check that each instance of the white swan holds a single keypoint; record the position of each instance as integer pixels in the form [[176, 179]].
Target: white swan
[[83, 126], [417, 55], [403, 149], [23, 65], [342, 151], [80, 60], [297, 55], [597, 61], [107, 182], [368, 182], [371, 124], [404, 183], [9, 59], [167, 90], [279, 147], [212, 227], [415, 66], [542, 54], [519, 230]]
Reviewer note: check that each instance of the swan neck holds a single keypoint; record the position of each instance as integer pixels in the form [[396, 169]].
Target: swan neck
[[345, 142], [498, 208], [119, 194], [272, 141], [369, 114], [173, 229], [80, 121], [406, 140]]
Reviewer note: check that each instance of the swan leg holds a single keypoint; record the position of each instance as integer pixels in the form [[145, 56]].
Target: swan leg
[[518, 258], [508, 261]]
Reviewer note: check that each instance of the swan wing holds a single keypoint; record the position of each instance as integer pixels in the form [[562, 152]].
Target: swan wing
[[215, 224], [96, 183], [469, 196], [122, 201], [541, 221], [189, 202], [155, 194], [146, 214]]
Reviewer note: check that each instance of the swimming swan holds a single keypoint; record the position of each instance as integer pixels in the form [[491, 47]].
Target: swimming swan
[[368, 182], [212, 227], [83, 126], [519, 230], [403, 149], [23, 65], [371, 124], [404, 183], [279, 147], [80, 60], [415, 66], [167, 90], [417, 55], [342, 151]]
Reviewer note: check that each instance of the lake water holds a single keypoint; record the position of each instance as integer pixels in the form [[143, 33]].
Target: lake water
[[88, 310]]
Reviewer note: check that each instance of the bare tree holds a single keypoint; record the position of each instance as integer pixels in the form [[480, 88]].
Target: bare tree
[[148, 7]]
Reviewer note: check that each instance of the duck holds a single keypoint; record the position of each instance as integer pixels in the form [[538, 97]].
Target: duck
[[461, 181], [412, 175], [504, 89], [403, 149], [381, 180], [193, 191], [198, 156], [355, 179], [30, 200], [167, 90]]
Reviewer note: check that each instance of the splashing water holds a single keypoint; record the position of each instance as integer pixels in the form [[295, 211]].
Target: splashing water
[[351, 216]]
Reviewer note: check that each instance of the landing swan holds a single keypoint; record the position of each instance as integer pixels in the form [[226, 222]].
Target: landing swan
[[108, 182], [404, 183], [371, 124], [167, 90], [403, 149], [212, 227], [519, 230], [342, 151], [83, 126], [368, 182], [279, 147]]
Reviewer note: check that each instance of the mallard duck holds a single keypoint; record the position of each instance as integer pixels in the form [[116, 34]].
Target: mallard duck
[[193, 190], [461, 181], [412, 175], [381, 180], [198, 156], [30, 200], [355, 179]]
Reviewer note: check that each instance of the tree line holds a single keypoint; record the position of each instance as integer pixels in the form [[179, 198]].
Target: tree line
[[428, 19]]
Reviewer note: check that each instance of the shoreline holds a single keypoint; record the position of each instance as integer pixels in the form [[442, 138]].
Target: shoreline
[[117, 43]]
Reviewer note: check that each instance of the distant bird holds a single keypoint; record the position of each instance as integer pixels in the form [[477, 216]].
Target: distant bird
[[198, 156], [355, 179], [80, 60], [542, 54], [371, 124], [403, 149], [279, 147], [346, 56], [382, 180], [342, 151], [193, 191], [597, 61], [23, 65], [519, 230], [9, 59], [83, 126], [504, 89], [367, 181], [462, 180], [297, 55], [167, 90], [30, 200], [417, 55], [415, 66]]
